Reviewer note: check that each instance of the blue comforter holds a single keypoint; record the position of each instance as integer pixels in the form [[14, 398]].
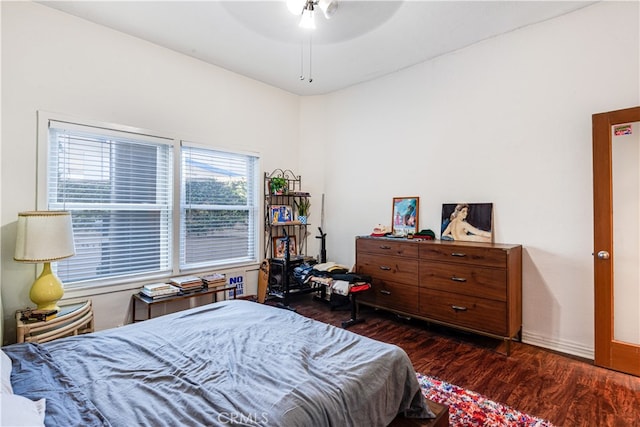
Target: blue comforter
[[229, 363]]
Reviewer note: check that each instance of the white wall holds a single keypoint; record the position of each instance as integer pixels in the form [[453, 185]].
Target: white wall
[[507, 121], [59, 63]]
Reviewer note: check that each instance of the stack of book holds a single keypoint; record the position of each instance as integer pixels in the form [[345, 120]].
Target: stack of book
[[159, 290], [214, 279], [31, 315], [187, 283]]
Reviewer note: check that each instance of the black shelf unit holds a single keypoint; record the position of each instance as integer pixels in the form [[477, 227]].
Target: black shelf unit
[[282, 284], [290, 197]]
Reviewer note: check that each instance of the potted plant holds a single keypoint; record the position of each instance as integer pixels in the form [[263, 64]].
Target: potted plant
[[302, 206], [278, 185]]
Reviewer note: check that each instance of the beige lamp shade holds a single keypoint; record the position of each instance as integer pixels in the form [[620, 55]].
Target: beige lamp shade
[[44, 236]]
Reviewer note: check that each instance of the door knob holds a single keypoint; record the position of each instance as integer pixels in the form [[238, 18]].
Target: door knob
[[603, 255]]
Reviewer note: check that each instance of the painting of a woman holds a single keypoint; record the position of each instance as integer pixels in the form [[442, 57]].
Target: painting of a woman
[[457, 222]]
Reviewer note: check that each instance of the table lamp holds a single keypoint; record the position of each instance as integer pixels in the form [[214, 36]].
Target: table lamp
[[45, 236]]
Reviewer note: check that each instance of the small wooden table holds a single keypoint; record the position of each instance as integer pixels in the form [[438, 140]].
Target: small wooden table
[[149, 302], [72, 319]]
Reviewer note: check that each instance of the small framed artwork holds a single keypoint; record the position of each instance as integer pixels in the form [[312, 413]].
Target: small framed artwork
[[471, 222], [279, 244], [405, 215], [281, 214]]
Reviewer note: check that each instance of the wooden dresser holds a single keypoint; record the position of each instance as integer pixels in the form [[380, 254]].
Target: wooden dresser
[[476, 287]]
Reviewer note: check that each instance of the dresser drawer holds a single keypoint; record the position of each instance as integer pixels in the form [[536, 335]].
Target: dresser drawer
[[389, 268], [391, 295], [464, 279], [462, 310], [488, 257], [387, 247]]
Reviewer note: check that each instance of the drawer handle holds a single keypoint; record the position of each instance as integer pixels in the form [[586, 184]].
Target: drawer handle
[[385, 268], [458, 279], [459, 254], [382, 291], [385, 247], [459, 308]]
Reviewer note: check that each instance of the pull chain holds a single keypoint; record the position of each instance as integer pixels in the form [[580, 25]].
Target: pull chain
[[310, 57], [302, 77], [302, 60]]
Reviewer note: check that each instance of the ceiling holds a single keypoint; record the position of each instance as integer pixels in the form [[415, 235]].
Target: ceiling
[[363, 40]]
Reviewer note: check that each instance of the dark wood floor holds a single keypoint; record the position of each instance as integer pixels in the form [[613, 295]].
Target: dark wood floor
[[564, 390]]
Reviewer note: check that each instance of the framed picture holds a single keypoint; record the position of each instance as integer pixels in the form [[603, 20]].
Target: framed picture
[[278, 247], [471, 222], [405, 215], [281, 214]]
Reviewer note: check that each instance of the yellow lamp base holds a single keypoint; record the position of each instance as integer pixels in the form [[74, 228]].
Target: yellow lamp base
[[47, 290]]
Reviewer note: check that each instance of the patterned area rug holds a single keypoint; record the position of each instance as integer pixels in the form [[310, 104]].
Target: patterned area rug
[[468, 408]]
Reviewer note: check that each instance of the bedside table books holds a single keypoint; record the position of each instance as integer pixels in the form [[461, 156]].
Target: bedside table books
[[28, 315]]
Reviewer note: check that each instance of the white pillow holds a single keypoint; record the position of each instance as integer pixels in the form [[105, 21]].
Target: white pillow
[[5, 368], [19, 411]]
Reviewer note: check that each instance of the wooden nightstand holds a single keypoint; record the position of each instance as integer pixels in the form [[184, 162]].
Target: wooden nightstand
[[72, 319]]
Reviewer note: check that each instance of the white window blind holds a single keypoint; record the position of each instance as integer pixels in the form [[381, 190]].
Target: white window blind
[[118, 188], [219, 214]]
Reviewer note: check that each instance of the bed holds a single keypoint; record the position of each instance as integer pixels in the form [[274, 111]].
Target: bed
[[232, 362]]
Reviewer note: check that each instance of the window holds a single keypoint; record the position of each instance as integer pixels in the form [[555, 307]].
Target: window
[[119, 187], [218, 212]]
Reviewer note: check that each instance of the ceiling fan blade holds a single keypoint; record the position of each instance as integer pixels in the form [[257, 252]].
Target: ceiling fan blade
[[328, 7]]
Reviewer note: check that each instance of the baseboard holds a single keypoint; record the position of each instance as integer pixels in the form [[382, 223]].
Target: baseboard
[[561, 346]]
